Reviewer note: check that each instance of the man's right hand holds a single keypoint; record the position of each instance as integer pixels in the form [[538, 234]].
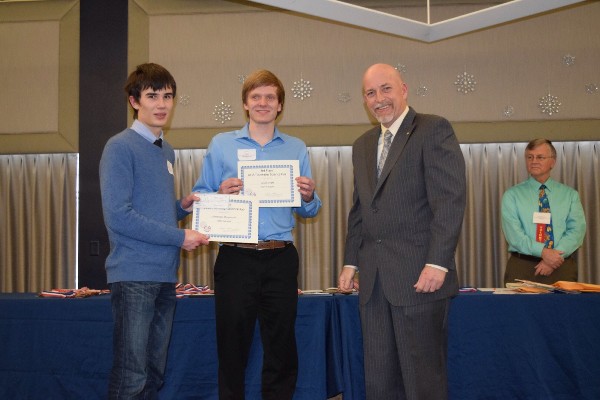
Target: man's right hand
[[193, 239], [553, 257], [231, 186], [346, 280]]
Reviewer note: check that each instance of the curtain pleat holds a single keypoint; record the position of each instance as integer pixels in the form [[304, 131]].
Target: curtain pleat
[[196, 267], [38, 215], [37, 222], [586, 161]]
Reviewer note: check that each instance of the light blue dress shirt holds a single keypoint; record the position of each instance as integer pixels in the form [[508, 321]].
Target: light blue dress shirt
[[568, 220], [143, 130], [220, 163]]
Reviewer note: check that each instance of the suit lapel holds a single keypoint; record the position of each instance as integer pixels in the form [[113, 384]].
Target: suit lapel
[[402, 137], [371, 157]]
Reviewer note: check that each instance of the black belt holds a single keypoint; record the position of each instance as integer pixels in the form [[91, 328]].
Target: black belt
[[526, 257], [262, 245]]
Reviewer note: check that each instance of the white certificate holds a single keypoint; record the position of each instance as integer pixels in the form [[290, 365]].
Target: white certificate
[[226, 218], [273, 182]]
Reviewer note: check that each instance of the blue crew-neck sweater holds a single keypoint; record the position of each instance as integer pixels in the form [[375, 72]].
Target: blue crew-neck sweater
[[140, 209]]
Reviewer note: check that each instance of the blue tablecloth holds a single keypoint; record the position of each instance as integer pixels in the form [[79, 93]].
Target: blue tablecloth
[[62, 349], [521, 346], [524, 347], [500, 347]]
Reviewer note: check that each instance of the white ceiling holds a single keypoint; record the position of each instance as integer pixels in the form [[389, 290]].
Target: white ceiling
[[364, 13]]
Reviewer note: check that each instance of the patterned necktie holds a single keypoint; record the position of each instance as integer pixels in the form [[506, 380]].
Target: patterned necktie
[[158, 142], [544, 232], [387, 142]]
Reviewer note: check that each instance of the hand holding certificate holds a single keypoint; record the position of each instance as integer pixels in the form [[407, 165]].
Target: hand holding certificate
[[273, 182], [226, 218]]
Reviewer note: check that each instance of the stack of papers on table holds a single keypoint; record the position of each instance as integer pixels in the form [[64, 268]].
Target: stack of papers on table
[[536, 287], [577, 286], [190, 290], [73, 293], [313, 291]]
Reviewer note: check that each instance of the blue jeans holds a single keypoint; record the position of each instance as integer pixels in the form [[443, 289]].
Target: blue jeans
[[143, 318]]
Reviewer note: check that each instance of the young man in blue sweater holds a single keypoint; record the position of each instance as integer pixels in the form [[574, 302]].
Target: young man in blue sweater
[[141, 214], [258, 280]]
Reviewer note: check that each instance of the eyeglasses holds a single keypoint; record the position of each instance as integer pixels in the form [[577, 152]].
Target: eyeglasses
[[537, 158]]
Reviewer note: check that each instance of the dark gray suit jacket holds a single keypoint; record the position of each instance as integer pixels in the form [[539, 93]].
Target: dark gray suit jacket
[[412, 215]]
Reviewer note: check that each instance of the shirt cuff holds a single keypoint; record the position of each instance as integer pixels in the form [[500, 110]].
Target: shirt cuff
[[351, 266], [437, 267], [308, 203]]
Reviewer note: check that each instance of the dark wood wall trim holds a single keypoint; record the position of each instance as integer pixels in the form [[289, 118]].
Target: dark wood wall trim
[[102, 113]]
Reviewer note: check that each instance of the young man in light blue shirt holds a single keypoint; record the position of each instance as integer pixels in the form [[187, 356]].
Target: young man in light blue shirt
[[258, 281], [543, 222]]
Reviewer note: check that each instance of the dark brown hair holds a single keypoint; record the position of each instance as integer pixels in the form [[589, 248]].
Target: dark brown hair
[[146, 76]]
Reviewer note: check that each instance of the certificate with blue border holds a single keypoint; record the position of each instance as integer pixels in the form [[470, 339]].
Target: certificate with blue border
[[226, 218], [272, 182]]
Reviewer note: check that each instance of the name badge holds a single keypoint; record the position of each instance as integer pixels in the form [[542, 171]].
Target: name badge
[[246, 154], [170, 167], [541, 218]]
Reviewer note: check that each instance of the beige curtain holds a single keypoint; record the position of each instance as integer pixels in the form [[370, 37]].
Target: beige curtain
[[37, 222], [482, 251], [38, 215], [491, 169]]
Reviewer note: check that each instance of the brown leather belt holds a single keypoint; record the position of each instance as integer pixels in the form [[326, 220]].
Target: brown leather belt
[[526, 257], [530, 258], [262, 245]]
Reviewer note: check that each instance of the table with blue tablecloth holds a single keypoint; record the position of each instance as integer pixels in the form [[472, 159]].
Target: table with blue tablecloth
[[505, 346], [500, 347], [55, 348]]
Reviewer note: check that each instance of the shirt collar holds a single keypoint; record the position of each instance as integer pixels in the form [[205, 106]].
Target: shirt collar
[[144, 131], [535, 184], [244, 133]]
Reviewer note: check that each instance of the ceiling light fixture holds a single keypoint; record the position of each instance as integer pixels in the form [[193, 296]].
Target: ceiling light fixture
[[426, 32]]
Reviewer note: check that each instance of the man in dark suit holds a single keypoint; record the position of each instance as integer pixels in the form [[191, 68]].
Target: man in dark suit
[[403, 228]]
